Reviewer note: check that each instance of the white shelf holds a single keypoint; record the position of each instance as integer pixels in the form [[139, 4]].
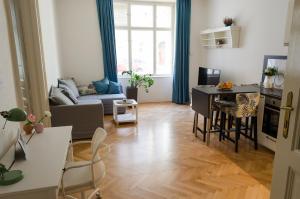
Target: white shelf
[[127, 117], [224, 37]]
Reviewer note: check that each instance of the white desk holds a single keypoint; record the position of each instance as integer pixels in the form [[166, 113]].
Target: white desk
[[44, 167]]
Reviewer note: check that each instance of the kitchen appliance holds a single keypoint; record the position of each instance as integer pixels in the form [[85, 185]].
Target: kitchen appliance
[[269, 117], [208, 76]]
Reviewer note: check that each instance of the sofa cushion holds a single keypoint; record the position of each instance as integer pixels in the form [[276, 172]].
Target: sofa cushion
[[101, 86], [56, 97], [104, 98], [114, 88], [69, 93], [71, 84], [87, 89]]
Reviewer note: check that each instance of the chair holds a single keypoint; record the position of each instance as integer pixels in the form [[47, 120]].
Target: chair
[[245, 107], [80, 176]]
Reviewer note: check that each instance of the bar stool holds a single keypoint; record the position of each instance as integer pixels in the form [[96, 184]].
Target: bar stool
[[218, 103], [245, 107]]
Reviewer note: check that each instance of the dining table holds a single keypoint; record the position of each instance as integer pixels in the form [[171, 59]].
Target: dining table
[[202, 102]]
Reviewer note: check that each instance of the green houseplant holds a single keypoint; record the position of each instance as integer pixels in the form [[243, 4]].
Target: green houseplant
[[136, 81]]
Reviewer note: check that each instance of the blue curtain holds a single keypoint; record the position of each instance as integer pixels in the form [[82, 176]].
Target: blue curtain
[[181, 61], [107, 29]]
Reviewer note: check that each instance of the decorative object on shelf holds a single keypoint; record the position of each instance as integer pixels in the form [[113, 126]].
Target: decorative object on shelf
[[269, 73], [137, 81], [8, 177], [39, 126], [228, 21]]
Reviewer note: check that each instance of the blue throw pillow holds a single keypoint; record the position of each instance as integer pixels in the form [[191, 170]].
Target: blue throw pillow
[[114, 88], [101, 86]]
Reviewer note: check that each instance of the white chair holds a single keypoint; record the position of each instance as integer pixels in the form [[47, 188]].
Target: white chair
[[80, 176]]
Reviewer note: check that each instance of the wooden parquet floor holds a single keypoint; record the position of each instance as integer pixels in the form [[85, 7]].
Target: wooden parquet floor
[[160, 158]]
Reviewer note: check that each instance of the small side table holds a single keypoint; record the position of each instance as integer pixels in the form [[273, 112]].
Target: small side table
[[127, 117]]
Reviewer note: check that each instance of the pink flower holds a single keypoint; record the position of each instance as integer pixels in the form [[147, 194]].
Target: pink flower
[[31, 118]]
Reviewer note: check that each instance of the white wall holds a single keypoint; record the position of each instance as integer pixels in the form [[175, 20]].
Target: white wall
[[197, 53], [49, 39], [263, 25], [81, 50], [79, 40], [7, 86]]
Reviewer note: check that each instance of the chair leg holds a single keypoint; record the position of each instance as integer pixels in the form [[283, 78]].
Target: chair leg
[[246, 125], [204, 129], [229, 125], [237, 133], [82, 195], [217, 117], [211, 121], [222, 125], [255, 132]]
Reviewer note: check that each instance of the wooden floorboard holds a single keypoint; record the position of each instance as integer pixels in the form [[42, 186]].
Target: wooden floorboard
[[160, 158]]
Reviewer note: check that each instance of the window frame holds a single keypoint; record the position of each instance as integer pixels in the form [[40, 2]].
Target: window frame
[[155, 29]]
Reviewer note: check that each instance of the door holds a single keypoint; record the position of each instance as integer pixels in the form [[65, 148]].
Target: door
[[286, 173], [20, 69]]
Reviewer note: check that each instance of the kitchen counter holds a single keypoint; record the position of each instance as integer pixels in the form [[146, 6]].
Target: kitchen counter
[[271, 92]]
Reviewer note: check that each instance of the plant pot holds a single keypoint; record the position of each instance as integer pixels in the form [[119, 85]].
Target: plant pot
[[39, 127], [132, 93], [268, 81], [28, 129]]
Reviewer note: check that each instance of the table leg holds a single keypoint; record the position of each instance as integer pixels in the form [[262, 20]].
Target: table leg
[[209, 122], [195, 124], [136, 114]]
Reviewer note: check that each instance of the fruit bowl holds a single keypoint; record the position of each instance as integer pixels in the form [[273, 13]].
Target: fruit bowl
[[225, 85]]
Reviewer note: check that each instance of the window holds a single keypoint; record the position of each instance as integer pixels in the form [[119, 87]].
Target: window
[[144, 36]]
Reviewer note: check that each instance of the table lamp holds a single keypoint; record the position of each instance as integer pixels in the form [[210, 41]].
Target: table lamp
[[8, 177]]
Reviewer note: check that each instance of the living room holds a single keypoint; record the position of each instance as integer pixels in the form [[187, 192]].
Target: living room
[[81, 65]]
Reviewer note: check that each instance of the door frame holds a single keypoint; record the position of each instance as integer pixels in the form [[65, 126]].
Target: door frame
[[33, 56]]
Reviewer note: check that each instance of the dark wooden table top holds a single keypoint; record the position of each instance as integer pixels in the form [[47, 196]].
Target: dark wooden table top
[[213, 90]]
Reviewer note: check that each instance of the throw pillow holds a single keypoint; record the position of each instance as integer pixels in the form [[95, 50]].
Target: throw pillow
[[114, 88], [87, 90], [101, 86], [71, 84], [58, 98], [69, 93]]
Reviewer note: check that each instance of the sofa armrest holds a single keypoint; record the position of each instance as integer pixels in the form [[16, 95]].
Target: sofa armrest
[[85, 118]]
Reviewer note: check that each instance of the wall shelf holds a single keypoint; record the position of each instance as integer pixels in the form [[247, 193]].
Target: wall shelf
[[225, 37]]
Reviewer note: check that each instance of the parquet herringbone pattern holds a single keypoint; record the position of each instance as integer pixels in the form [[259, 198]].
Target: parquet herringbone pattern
[[160, 158]]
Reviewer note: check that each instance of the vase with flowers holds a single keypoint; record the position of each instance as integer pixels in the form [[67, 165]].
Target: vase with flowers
[[29, 124], [39, 126], [269, 73]]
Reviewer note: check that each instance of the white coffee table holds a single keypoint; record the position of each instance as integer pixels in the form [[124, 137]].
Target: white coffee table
[[131, 116]]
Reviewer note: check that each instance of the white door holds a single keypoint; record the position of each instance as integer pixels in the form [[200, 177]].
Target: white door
[[286, 173]]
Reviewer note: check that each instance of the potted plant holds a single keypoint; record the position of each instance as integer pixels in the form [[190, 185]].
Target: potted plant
[[269, 73], [137, 81], [29, 124], [39, 126]]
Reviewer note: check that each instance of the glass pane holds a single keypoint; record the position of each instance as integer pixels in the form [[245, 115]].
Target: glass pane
[[142, 51], [120, 14], [122, 50], [164, 16], [164, 52], [142, 16]]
